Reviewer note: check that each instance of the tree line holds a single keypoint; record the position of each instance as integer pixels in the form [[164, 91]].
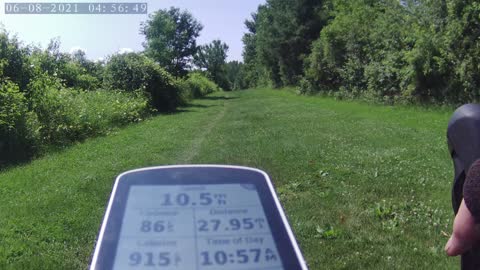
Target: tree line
[[49, 98], [419, 51]]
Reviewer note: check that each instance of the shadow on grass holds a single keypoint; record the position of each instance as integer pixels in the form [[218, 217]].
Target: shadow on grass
[[51, 148], [199, 106], [182, 110], [218, 98], [185, 108], [7, 165], [41, 151]]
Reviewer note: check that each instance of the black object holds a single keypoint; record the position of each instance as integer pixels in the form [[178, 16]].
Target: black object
[[463, 135], [184, 195]]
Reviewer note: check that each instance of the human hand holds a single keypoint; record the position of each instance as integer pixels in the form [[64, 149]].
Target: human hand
[[465, 233]]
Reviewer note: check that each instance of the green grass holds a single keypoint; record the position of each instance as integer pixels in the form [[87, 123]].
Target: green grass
[[364, 187]]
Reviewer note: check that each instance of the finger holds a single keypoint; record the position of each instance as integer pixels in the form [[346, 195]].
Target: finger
[[464, 232]]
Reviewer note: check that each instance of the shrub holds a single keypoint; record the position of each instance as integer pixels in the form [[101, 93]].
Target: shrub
[[103, 109], [197, 85], [321, 72], [131, 72], [75, 76], [363, 53], [87, 82], [46, 102], [67, 115], [74, 71], [18, 127]]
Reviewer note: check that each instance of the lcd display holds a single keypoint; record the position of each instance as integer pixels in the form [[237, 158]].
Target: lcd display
[[201, 227]]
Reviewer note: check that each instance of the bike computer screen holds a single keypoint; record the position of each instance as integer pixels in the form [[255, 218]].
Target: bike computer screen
[[196, 218]]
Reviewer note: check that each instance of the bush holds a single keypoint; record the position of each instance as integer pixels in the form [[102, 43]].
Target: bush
[[87, 82], [197, 85], [18, 127], [67, 115], [131, 72], [75, 76], [74, 71], [365, 51], [339, 56], [14, 62]]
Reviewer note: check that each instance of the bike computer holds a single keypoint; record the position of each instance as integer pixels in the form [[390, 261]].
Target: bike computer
[[202, 217]]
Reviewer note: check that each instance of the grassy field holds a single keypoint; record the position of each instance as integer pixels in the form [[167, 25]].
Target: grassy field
[[364, 187]]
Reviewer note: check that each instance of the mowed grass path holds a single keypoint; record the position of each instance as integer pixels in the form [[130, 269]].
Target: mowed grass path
[[364, 187]]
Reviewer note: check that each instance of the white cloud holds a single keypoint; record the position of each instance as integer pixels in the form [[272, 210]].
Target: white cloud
[[125, 50], [100, 59], [77, 48]]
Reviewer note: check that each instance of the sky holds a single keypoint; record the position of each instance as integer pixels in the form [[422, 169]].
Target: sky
[[103, 35]]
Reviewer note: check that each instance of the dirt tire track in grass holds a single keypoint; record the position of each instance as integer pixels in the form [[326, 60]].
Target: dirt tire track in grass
[[194, 149]]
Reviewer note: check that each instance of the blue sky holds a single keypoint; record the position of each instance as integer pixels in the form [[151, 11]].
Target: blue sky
[[101, 35]]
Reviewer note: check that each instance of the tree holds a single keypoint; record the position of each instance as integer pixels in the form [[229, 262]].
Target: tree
[[235, 72], [363, 48], [250, 68], [50, 61], [211, 57], [18, 128], [462, 37], [283, 33], [171, 39], [80, 57], [14, 62]]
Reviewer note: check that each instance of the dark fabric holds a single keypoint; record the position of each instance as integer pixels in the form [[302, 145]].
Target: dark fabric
[[471, 190], [470, 260]]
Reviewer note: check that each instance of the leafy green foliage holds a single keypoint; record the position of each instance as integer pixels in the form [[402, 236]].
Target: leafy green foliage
[[250, 75], [131, 72], [14, 63], [211, 58], [171, 39], [341, 54], [197, 85], [54, 115], [328, 233], [279, 38], [74, 70], [235, 75], [390, 51], [50, 98], [13, 105], [126, 72], [18, 127], [75, 76], [68, 115]]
